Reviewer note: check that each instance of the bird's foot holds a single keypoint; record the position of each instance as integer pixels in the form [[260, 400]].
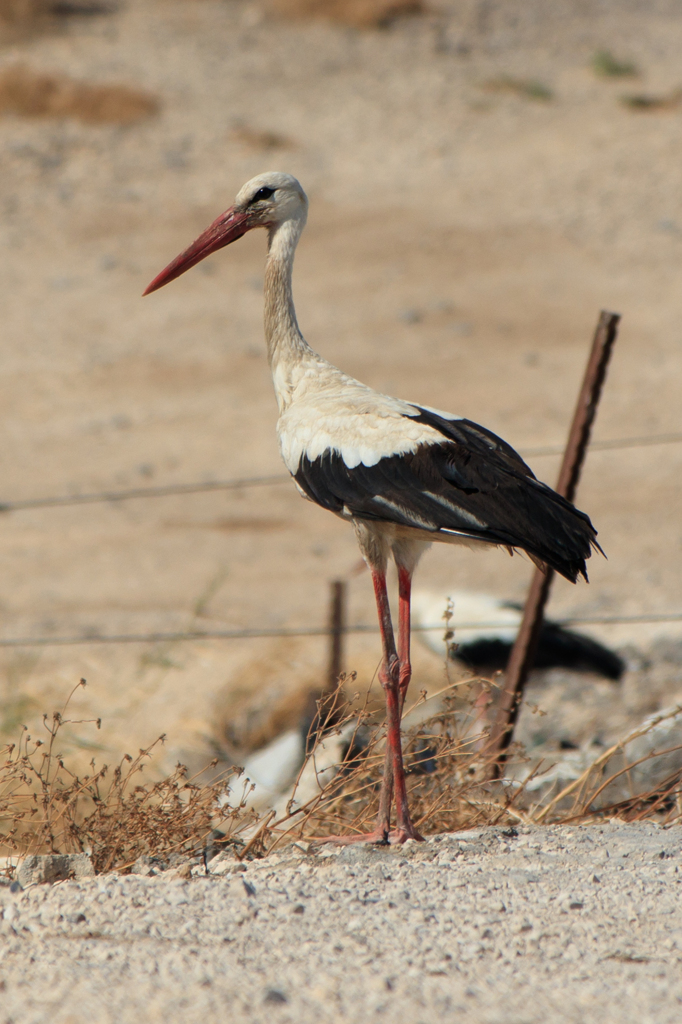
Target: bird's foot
[[398, 836]]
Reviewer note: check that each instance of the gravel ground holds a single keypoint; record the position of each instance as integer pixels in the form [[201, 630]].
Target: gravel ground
[[521, 926]]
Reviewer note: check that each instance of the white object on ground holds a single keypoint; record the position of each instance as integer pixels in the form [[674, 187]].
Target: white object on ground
[[273, 768], [489, 616]]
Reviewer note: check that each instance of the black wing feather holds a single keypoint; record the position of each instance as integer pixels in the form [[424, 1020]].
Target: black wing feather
[[472, 484]]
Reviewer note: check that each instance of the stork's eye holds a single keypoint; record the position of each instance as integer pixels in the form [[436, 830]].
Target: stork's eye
[[262, 193]]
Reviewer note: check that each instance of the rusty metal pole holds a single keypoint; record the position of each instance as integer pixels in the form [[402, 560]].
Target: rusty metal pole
[[323, 707], [337, 631], [522, 656]]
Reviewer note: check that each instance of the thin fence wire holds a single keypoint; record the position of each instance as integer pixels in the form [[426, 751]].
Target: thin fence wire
[[603, 446], [266, 632], [282, 478], [144, 492]]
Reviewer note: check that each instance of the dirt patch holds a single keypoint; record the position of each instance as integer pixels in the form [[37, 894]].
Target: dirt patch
[[22, 12], [356, 13], [270, 696], [22, 19], [258, 140], [526, 87], [231, 523], [644, 102], [34, 94]]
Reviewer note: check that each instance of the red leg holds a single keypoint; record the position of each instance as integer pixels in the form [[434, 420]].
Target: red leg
[[404, 627], [391, 678], [389, 667], [387, 677], [394, 774], [405, 672], [405, 829]]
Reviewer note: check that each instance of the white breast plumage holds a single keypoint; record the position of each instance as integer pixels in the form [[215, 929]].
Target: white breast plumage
[[330, 411]]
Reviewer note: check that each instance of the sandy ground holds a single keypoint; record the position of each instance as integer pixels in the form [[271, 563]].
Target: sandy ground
[[532, 926], [460, 244]]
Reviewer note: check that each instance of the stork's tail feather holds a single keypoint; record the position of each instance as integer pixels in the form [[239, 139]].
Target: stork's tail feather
[[559, 536]]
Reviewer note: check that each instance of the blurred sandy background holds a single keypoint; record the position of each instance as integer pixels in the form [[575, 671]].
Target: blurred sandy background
[[479, 190]]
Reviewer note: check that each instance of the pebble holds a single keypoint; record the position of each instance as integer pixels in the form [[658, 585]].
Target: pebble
[[334, 936]]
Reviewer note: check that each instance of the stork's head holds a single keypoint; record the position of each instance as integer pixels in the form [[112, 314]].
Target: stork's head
[[267, 201]]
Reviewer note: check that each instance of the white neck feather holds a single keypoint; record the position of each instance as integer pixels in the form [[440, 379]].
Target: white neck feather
[[287, 348]]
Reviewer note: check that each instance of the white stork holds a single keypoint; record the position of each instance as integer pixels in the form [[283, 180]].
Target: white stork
[[403, 474]]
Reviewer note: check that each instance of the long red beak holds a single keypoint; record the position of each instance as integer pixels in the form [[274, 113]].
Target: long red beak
[[229, 226]]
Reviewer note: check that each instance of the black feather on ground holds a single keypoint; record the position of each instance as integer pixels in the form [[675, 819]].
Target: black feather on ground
[[557, 648]]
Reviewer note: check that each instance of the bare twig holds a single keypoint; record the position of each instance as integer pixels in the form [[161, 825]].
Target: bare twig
[[599, 762]]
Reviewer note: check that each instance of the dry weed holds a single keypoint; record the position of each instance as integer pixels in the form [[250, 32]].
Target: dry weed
[[449, 784], [446, 768], [578, 801], [115, 817], [47, 808], [29, 93], [355, 13]]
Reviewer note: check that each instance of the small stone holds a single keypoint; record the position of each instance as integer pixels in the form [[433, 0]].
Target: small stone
[[148, 866], [48, 868], [275, 995], [180, 871], [225, 864]]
